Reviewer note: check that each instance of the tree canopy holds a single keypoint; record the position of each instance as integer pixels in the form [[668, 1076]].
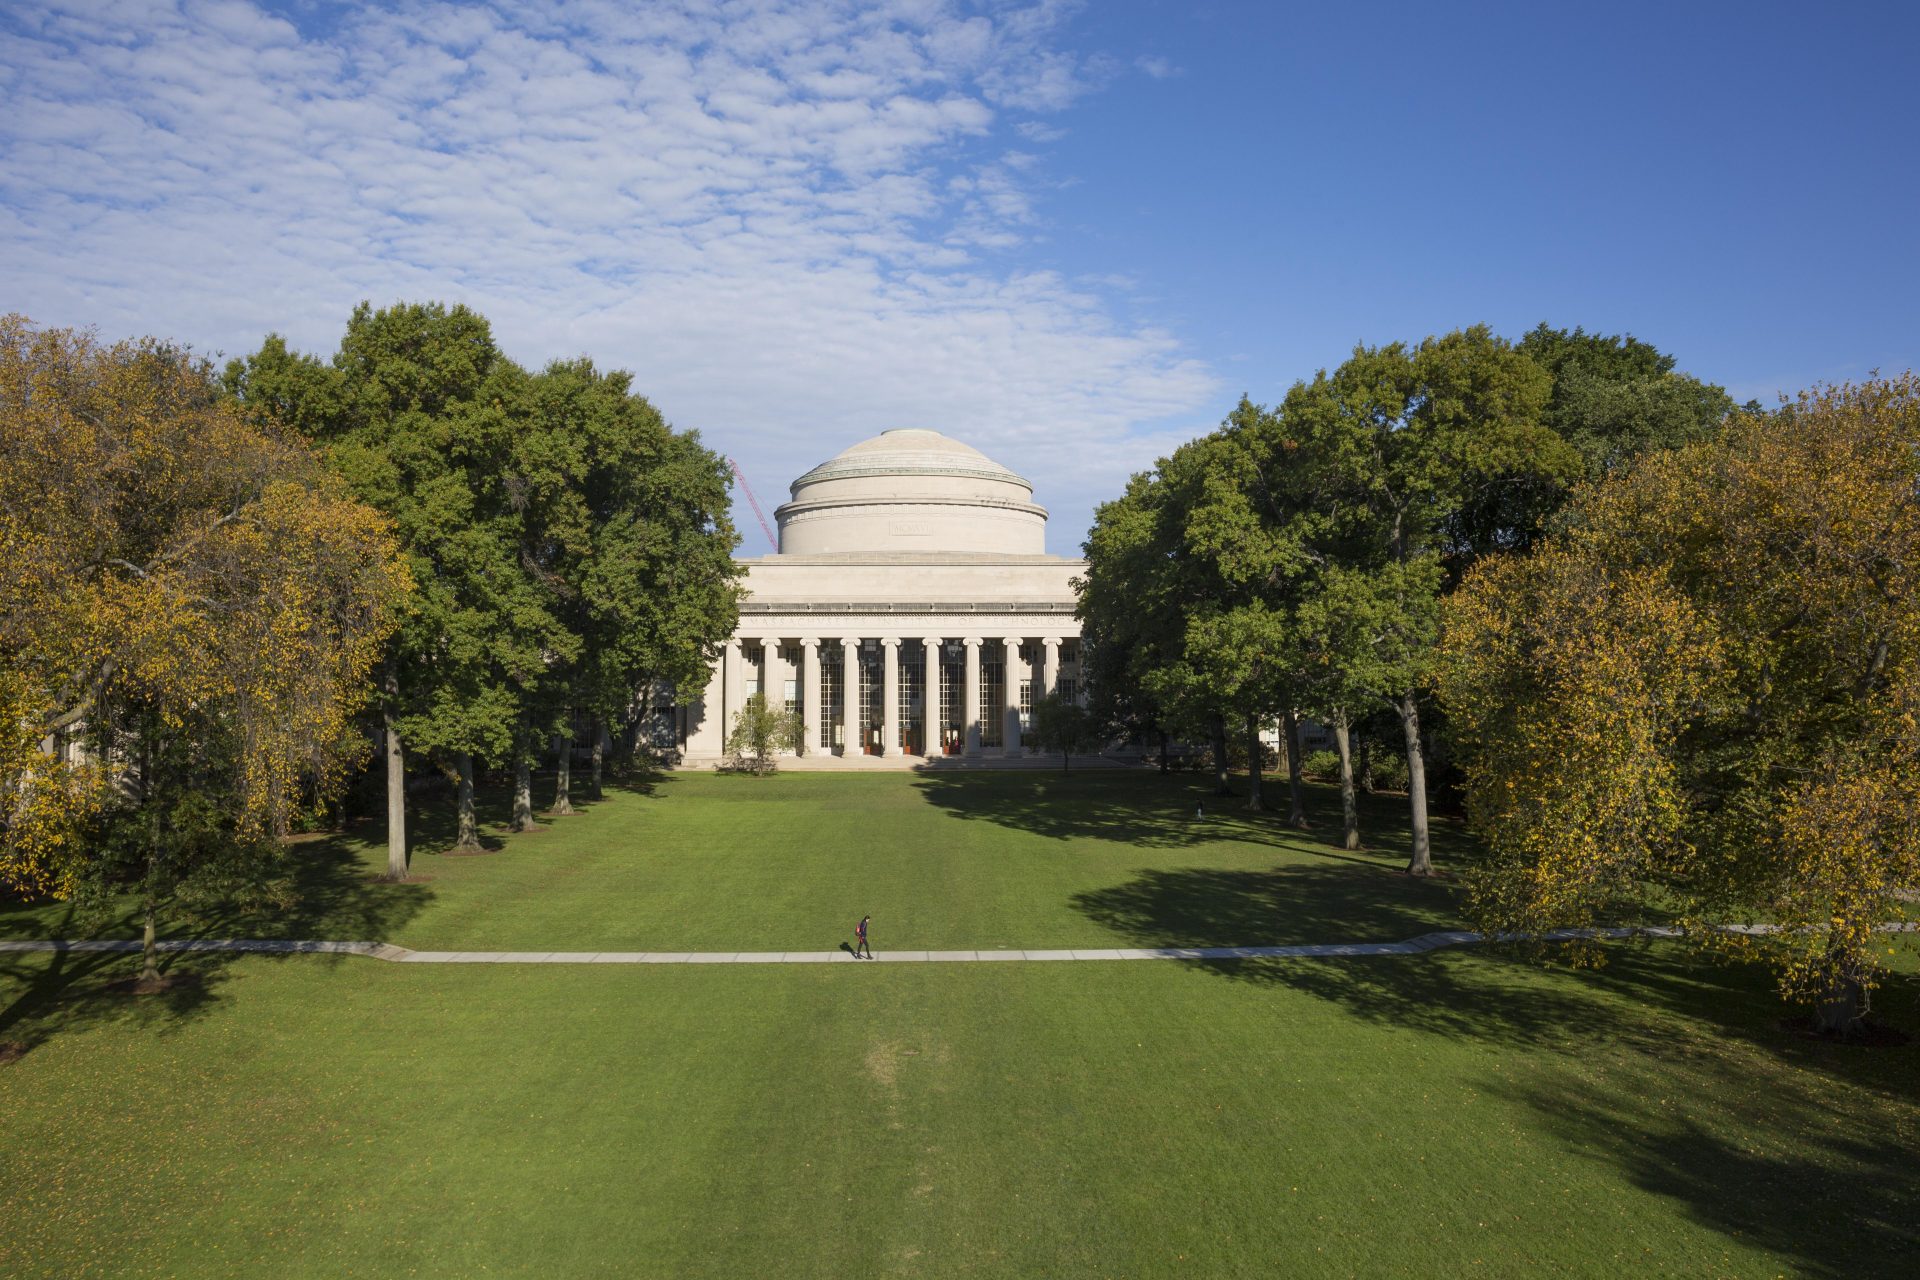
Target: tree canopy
[[1295, 560], [1703, 698], [189, 599], [569, 546]]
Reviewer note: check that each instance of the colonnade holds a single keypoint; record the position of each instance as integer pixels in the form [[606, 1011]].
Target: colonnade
[[963, 733]]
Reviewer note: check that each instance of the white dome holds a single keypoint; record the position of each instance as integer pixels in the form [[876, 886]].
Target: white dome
[[911, 490]]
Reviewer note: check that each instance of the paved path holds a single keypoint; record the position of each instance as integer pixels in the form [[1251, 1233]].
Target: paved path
[[401, 955]]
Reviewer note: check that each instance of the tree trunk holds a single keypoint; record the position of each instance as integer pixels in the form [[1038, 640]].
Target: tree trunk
[[396, 790], [1221, 787], [150, 945], [1349, 803], [1366, 764], [599, 757], [1839, 1013], [469, 836], [1297, 816], [523, 786], [563, 777], [1166, 765], [1421, 863], [1254, 762]]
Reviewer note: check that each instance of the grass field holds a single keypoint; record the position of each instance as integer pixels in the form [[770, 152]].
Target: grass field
[[1452, 1113]]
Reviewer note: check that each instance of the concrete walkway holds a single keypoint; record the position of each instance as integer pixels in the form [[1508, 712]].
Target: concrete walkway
[[401, 955]]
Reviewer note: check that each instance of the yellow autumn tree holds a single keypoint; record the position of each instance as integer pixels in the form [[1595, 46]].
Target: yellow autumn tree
[[1701, 701], [189, 609]]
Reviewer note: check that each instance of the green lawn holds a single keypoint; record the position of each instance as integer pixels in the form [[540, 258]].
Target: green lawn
[[1437, 1115]]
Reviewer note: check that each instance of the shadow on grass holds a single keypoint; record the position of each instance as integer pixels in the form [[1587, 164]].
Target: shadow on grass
[[1162, 811], [1341, 900], [1812, 1166], [60, 992], [1670, 1068], [72, 990]]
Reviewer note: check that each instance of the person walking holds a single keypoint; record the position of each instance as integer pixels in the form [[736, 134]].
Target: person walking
[[860, 939]]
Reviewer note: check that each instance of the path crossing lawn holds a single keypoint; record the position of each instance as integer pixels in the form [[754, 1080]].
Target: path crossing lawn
[[1445, 1114]]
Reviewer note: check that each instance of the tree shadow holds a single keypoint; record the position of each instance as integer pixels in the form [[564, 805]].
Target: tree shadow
[[1341, 900], [1176, 811], [49, 993], [1808, 1167], [64, 991]]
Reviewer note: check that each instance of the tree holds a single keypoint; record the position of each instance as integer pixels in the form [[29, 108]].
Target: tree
[[409, 413], [1392, 447], [1705, 696], [759, 732], [570, 546], [1061, 725], [1615, 398], [189, 610], [1144, 583], [627, 519]]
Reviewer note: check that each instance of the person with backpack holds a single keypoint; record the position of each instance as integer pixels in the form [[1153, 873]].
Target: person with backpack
[[860, 939]]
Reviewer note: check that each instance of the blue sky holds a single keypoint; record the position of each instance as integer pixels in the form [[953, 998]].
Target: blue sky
[[1071, 235]]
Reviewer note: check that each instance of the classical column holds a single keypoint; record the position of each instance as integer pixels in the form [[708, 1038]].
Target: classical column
[[810, 694], [890, 704], [733, 692], [1052, 646], [1010, 664], [932, 728], [850, 743], [970, 712]]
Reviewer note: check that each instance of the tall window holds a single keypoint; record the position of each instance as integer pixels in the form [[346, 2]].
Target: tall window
[[993, 701], [830, 688], [1069, 689], [872, 702], [952, 727], [913, 693], [1026, 705], [792, 702]]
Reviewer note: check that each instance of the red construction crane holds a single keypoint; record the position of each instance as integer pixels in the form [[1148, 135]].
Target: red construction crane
[[773, 543]]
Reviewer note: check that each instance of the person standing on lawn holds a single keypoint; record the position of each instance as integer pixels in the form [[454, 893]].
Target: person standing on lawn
[[860, 939]]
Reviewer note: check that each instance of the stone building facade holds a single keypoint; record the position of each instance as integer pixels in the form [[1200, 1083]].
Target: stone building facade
[[911, 612]]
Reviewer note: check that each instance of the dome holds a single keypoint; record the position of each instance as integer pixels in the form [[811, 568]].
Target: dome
[[911, 490], [910, 451]]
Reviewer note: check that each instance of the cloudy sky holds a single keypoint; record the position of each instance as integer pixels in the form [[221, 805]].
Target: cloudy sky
[[1069, 234]]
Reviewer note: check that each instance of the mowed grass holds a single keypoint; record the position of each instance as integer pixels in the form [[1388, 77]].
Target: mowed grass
[[699, 862], [1456, 1113]]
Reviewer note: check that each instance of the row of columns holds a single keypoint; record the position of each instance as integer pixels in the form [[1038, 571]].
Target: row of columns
[[1047, 676]]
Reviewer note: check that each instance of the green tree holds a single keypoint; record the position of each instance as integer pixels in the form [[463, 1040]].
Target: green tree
[[1615, 398], [1391, 447], [1144, 583], [411, 412], [1705, 695], [760, 732], [1062, 725], [628, 520], [569, 546]]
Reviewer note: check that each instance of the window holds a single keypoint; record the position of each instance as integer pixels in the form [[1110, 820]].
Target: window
[[952, 693], [830, 688], [1026, 705], [993, 700], [872, 701], [913, 690], [1069, 689], [792, 703]]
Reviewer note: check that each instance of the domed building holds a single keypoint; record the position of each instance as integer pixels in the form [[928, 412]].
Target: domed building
[[911, 612]]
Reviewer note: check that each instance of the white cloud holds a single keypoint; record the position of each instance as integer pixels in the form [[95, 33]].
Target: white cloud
[[798, 221], [1157, 67]]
